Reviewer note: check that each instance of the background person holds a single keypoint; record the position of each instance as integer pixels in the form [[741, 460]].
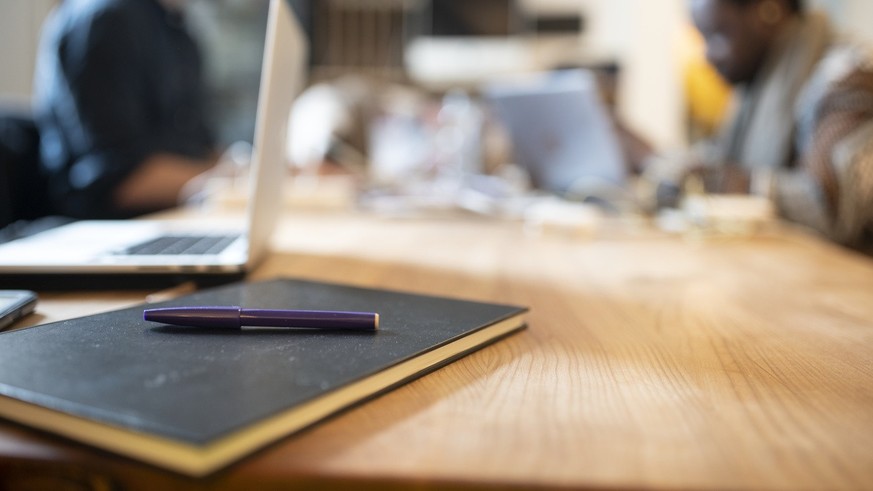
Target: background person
[[119, 103], [802, 123]]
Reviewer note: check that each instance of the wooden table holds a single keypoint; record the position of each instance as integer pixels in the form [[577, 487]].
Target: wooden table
[[650, 362]]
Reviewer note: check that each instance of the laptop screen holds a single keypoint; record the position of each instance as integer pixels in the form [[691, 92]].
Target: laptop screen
[[561, 132]]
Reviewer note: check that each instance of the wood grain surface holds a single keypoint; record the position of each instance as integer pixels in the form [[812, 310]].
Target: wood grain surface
[[650, 361]]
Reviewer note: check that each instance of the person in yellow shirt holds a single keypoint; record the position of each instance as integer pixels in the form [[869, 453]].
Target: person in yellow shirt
[[707, 95]]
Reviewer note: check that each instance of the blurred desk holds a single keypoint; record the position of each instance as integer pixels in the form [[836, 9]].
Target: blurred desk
[[650, 362]]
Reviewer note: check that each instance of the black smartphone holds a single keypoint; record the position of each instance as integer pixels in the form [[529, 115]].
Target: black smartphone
[[15, 304]]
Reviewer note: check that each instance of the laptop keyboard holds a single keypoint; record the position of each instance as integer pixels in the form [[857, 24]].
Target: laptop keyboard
[[180, 245]]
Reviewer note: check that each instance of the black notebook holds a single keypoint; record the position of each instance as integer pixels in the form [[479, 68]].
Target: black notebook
[[193, 400]]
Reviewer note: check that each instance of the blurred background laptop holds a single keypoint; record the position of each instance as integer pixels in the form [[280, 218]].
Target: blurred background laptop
[[561, 132]]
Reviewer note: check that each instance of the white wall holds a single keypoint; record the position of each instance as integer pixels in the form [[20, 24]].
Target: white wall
[[650, 91], [20, 22], [858, 18]]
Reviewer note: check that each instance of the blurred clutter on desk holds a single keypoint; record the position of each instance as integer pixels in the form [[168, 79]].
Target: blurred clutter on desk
[[493, 107]]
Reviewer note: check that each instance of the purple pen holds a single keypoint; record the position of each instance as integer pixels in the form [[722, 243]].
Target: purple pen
[[236, 317]]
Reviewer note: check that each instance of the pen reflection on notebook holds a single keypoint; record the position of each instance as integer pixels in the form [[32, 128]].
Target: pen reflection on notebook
[[232, 317]]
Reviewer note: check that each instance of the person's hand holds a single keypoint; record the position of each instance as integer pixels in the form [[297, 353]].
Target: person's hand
[[158, 182], [636, 149], [723, 179]]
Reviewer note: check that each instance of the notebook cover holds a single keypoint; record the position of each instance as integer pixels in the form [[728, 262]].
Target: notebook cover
[[199, 386]]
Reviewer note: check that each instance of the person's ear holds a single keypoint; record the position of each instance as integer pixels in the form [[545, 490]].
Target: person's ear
[[771, 12]]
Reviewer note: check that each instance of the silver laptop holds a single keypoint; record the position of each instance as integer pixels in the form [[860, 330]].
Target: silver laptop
[[176, 249], [561, 132]]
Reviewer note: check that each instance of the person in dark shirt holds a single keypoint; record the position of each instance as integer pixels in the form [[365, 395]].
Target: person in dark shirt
[[800, 129], [119, 106]]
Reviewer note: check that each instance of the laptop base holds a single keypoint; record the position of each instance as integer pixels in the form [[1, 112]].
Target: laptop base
[[92, 281]]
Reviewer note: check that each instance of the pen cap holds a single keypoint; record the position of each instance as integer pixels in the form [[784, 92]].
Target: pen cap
[[216, 317]]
